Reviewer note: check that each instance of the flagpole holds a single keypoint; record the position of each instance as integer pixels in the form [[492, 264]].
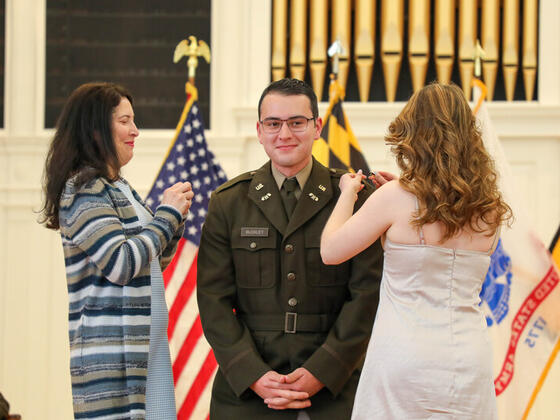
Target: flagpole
[[478, 57], [188, 159], [337, 146], [334, 51]]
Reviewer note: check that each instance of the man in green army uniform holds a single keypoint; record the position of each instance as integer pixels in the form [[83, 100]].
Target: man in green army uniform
[[289, 333]]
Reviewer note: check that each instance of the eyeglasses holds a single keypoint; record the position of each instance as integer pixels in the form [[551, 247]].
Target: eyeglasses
[[295, 124]]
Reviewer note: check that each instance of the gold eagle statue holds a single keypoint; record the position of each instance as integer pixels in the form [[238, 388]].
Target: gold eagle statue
[[192, 50]]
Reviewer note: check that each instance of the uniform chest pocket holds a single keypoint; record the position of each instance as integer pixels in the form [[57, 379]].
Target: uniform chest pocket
[[255, 260], [319, 274]]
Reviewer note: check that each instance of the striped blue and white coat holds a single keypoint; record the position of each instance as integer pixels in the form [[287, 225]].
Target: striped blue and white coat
[[107, 256]]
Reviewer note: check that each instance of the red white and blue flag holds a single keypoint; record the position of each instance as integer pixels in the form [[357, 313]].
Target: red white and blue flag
[[188, 159]]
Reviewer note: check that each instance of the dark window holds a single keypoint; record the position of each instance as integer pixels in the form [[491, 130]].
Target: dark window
[[130, 42]]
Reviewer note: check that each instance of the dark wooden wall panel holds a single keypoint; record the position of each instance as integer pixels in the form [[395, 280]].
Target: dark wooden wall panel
[[129, 42]]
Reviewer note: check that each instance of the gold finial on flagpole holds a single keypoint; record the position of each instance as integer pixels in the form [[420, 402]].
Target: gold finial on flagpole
[[334, 52], [192, 50], [479, 56]]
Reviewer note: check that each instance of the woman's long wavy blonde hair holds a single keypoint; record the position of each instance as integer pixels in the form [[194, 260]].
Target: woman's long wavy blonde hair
[[444, 163]]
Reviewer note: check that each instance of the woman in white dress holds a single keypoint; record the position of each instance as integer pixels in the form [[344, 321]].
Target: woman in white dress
[[429, 355]]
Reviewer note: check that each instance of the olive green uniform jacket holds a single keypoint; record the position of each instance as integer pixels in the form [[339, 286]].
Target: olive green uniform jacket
[[267, 302]]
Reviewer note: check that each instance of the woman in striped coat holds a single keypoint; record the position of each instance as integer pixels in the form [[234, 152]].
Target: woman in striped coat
[[115, 249]]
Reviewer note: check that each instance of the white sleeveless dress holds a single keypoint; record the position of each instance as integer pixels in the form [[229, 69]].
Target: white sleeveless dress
[[430, 355]]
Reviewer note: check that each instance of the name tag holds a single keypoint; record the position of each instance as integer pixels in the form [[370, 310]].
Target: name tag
[[254, 232]]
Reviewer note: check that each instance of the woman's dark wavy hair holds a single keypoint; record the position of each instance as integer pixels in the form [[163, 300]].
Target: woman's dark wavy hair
[[83, 143], [440, 152]]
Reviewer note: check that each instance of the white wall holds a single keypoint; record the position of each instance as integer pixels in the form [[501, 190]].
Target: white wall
[[34, 352]]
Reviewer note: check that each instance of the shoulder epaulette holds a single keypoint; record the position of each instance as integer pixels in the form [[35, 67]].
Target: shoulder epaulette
[[247, 176]]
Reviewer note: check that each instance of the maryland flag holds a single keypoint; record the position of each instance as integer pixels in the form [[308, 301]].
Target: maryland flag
[[338, 147], [520, 296]]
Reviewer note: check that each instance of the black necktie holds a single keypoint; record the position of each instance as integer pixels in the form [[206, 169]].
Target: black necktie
[[288, 195]]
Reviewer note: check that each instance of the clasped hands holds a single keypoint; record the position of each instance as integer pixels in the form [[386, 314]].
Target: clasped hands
[[294, 390]]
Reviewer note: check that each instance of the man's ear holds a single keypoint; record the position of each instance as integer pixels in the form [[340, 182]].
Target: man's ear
[[259, 132], [318, 127]]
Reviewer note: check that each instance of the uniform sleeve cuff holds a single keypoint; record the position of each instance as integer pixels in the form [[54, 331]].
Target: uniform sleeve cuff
[[244, 372], [330, 370]]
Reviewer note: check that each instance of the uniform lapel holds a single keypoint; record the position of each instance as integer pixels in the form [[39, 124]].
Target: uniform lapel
[[263, 191], [316, 193]]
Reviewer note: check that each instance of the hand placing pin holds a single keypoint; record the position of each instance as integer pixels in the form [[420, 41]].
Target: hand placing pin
[[180, 196], [352, 182], [380, 177]]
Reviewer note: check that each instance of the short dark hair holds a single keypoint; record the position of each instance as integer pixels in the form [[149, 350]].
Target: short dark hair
[[83, 143], [289, 87]]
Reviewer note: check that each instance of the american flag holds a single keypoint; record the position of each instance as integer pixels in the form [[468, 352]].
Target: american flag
[[188, 159]]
